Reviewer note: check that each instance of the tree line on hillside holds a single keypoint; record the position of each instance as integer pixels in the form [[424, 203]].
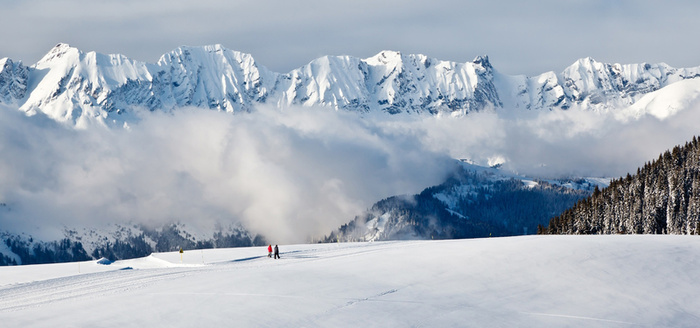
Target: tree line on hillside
[[662, 198], [166, 239]]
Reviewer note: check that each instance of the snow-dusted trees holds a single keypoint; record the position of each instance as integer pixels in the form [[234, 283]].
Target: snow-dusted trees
[[164, 239], [663, 197]]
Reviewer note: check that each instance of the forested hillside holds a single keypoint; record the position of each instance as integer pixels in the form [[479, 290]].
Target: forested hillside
[[128, 242], [662, 198], [470, 204]]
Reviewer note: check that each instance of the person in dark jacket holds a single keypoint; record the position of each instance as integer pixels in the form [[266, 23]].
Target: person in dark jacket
[[277, 252]]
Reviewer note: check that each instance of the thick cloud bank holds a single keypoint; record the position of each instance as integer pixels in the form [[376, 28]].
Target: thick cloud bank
[[289, 175], [297, 173], [558, 144]]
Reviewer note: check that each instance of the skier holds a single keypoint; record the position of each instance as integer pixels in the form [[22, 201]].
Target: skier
[[277, 252], [269, 250]]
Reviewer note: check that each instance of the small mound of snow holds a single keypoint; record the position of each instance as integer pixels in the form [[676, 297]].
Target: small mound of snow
[[529, 184], [104, 261], [152, 262]]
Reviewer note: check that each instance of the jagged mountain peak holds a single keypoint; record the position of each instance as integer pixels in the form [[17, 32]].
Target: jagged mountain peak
[[215, 47], [589, 65], [70, 85], [586, 61], [387, 56], [60, 51], [483, 61], [198, 53], [59, 48]]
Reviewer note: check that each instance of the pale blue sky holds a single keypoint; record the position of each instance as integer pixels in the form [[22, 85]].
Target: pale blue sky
[[520, 37]]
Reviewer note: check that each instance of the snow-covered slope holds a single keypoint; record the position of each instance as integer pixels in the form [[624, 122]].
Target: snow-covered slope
[[533, 281], [77, 87], [208, 77], [591, 85], [665, 102]]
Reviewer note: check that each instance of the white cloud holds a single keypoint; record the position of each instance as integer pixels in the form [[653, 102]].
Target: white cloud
[[299, 172], [288, 175], [558, 143]]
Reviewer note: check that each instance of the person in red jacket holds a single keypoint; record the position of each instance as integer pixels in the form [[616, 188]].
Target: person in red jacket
[[269, 250]]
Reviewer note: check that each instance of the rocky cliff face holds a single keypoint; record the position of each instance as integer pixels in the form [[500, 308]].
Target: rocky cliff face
[[82, 88]]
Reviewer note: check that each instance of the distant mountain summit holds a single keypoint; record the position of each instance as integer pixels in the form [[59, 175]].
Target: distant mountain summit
[[83, 88]]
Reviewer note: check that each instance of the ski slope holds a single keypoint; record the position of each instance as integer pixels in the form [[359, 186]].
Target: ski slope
[[528, 281]]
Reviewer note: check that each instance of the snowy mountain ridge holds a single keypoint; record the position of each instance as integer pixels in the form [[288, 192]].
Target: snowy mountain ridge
[[81, 88]]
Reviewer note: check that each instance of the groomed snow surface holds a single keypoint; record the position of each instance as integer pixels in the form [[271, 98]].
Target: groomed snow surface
[[528, 281]]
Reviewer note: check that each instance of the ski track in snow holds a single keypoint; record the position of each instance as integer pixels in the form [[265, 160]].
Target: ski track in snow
[[586, 318], [88, 285]]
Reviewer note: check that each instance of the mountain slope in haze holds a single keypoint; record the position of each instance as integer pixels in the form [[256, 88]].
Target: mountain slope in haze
[[82, 88], [474, 202], [663, 197]]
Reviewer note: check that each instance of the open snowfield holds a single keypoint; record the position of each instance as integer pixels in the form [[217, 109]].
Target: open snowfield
[[529, 281]]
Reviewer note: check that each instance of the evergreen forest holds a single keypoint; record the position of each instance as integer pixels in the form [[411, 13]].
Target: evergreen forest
[[663, 197]]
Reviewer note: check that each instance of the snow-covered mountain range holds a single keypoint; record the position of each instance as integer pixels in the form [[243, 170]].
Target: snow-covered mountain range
[[81, 88]]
